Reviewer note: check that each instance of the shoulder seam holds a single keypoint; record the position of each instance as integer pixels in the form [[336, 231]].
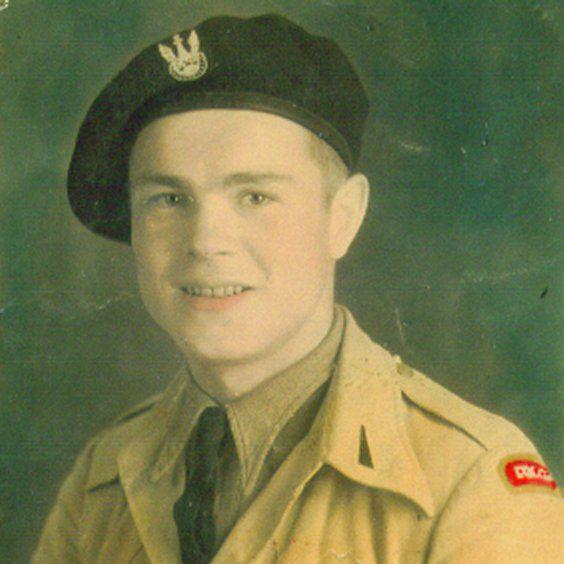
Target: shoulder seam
[[445, 420], [488, 429], [137, 409]]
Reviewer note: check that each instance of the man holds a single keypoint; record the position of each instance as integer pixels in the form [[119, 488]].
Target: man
[[226, 156]]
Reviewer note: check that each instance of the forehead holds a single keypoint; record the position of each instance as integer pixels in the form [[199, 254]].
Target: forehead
[[224, 134]]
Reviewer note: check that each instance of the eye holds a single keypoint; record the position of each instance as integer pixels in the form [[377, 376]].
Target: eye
[[168, 199], [171, 199], [256, 199]]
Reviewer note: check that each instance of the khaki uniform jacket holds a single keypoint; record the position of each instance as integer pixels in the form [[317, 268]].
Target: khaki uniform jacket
[[394, 469]]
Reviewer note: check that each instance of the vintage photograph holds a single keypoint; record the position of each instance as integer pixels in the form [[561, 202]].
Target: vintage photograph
[[281, 281]]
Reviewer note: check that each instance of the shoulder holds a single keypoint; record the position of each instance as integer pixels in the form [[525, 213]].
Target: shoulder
[[146, 420], [446, 435], [428, 400], [463, 448], [446, 432], [483, 472], [429, 407], [98, 463], [128, 421]]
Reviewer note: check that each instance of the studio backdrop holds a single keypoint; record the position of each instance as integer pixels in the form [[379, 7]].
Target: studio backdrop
[[458, 268]]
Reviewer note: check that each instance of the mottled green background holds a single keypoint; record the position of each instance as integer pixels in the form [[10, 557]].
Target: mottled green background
[[458, 269]]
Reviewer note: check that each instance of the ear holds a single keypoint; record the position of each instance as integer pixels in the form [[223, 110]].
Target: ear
[[348, 209]]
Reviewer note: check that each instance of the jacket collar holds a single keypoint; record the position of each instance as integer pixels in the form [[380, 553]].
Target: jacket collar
[[149, 438], [361, 429], [150, 472]]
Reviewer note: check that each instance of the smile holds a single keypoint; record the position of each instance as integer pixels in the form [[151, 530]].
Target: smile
[[214, 298], [214, 292]]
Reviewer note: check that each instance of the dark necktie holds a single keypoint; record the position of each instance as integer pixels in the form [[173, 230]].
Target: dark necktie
[[193, 512]]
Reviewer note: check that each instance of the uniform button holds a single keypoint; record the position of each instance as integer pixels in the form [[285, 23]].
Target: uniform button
[[402, 368]]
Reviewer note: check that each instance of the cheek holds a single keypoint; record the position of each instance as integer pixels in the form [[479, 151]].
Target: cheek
[[152, 257], [297, 246]]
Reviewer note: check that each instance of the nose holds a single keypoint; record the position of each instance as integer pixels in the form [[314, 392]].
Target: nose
[[212, 230]]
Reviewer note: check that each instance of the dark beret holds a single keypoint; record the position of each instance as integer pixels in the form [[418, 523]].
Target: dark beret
[[265, 63]]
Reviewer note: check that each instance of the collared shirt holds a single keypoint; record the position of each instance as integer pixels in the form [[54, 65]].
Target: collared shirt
[[265, 425]]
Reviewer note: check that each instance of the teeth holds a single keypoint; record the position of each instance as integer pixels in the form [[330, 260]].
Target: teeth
[[216, 292]]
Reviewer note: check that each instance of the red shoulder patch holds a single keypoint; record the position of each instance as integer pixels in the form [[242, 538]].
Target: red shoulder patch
[[519, 471]]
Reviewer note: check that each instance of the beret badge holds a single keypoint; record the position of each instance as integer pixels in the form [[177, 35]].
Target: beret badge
[[185, 65]]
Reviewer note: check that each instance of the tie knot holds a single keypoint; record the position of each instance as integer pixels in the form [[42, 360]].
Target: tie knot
[[212, 429]]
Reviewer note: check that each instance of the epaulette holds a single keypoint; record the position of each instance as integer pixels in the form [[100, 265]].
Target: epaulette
[[486, 428], [138, 409]]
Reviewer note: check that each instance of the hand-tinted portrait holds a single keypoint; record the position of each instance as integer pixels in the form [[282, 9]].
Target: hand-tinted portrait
[[281, 282]]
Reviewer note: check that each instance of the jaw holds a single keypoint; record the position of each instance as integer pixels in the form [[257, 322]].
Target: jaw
[[229, 361]]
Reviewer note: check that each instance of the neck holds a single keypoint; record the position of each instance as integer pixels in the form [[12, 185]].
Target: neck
[[226, 382]]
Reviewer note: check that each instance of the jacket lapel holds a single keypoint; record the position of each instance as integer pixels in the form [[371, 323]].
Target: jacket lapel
[[365, 436], [151, 504], [359, 431], [152, 472]]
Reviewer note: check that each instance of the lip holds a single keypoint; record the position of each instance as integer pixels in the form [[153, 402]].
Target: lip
[[213, 303], [209, 282]]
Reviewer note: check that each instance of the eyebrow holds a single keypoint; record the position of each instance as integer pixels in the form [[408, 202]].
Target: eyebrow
[[235, 179], [255, 178], [170, 180]]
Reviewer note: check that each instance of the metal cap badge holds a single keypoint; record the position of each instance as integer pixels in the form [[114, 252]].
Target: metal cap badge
[[185, 65]]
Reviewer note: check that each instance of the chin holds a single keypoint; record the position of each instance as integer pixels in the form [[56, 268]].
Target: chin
[[220, 351]]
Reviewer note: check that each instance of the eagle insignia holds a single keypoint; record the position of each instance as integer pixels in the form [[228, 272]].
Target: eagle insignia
[[184, 64]]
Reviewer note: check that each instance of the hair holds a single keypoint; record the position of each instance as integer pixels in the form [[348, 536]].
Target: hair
[[334, 169]]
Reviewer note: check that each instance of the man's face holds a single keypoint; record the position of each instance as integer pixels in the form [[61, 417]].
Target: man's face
[[230, 230]]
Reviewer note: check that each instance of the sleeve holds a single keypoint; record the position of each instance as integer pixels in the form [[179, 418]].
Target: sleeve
[[61, 533], [507, 509]]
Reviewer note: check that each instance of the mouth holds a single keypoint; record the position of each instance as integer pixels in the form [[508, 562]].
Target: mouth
[[215, 291], [214, 298]]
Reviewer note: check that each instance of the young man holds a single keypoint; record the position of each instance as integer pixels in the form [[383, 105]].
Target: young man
[[226, 156]]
